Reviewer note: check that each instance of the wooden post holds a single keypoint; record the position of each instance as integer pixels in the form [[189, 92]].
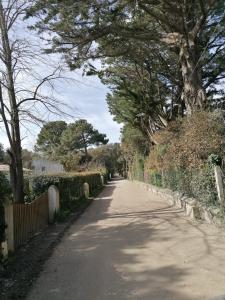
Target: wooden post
[[219, 185], [86, 190], [9, 232], [53, 202]]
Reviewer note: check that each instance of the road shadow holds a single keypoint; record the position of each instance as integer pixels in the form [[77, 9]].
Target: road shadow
[[112, 255], [107, 240]]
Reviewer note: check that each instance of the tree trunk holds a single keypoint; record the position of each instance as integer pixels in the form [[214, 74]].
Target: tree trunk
[[14, 136], [86, 154], [19, 183], [193, 94]]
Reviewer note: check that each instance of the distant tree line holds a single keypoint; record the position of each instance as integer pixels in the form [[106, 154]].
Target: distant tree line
[[78, 146]]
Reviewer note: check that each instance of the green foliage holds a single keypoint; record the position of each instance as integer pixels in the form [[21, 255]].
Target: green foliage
[[105, 157], [5, 193], [79, 136], [48, 139], [69, 143], [71, 161], [70, 186], [199, 184], [150, 51], [154, 177], [215, 160], [2, 154], [203, 187], [134, 141], [135, 99], [171, 33], [5, 189], [137, 170], [134, 145], [184, 157]]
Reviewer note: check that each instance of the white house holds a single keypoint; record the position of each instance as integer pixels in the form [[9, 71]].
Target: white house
[[44, 166]]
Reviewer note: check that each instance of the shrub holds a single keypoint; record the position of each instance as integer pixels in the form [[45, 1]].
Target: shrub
[[137, 171], [203, 187], [154, 177], [5, 192], [199, 184], [70, 186], [186, 148], [187, 144]]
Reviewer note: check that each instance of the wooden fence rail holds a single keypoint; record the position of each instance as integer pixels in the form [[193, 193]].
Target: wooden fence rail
[[29, 219]]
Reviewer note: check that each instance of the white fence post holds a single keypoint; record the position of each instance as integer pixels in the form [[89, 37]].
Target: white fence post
[[4, 249], [53, 202], [86, 190], [102, 179], [219, 185], [9, 232]]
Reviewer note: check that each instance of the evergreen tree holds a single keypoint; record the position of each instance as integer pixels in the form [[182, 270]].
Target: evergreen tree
[[48, 140], [190, 30], [79, 136]]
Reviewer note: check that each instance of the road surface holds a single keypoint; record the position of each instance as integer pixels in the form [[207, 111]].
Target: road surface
[[130, 244]]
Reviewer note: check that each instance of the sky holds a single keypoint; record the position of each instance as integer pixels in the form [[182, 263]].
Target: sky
[[85, 97]]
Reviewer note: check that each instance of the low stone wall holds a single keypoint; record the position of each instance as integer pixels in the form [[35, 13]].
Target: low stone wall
[[191, 207]]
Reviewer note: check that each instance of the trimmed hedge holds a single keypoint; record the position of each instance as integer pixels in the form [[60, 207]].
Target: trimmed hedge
[[70, 186]]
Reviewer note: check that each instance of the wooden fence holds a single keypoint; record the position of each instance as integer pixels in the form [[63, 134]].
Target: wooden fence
[[29, 219], [25, 220]]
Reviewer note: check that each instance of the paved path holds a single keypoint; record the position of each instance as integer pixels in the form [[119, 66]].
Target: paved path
[[130, 244]]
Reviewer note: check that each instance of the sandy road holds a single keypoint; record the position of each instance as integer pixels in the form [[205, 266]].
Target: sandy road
[[130, 244]]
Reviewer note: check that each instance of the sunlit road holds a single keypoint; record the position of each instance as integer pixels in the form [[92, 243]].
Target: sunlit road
[[130, 244]]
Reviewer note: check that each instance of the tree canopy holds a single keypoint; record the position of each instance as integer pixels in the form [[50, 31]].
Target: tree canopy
[[162, 60], [80, 135], [69, 143], [191, 32], [49, 138]]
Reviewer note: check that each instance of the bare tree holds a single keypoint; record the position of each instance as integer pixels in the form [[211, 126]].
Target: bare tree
[[21, 95]]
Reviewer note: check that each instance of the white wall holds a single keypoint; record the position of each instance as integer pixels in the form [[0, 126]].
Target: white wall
[[44, 166]]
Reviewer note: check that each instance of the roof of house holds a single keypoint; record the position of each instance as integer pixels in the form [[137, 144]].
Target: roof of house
[[5, 168]]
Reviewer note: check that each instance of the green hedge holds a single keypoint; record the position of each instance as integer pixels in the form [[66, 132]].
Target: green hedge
[[154, 177], [199, 184], [5, 193], [70, 186], [137, 170]]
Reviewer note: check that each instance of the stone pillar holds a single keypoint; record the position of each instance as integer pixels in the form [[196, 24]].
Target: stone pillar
[[53, 202], [86, 190], [219, 185], [9, 232], [102, 179], [4, 249]]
